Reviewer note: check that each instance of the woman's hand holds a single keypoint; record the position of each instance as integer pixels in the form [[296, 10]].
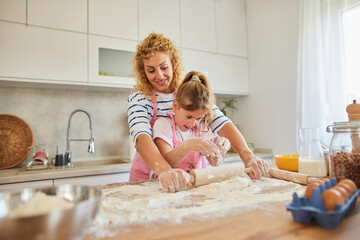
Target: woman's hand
[[174, 180], [202, 145], [224, 146], [259, 167]]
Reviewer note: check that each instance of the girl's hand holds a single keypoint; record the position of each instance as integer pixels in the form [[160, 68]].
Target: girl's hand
[[202, 145], [224, 145], [174, 180]]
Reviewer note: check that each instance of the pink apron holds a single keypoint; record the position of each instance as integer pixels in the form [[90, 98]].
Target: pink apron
[[192, 160], [139, 169]]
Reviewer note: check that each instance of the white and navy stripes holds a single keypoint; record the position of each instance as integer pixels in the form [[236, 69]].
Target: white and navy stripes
[[140, 113]]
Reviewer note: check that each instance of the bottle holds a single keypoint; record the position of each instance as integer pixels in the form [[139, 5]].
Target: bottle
[[311, 157]]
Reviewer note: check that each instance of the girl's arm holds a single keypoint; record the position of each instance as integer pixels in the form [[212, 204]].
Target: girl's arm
[[170, 179], [174, 156]]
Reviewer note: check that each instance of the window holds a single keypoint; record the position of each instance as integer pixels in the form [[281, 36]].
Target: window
[[351, 21]]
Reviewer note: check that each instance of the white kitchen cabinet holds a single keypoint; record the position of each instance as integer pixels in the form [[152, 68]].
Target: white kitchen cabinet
[[114, 18], [198, 25], [95, 179], [32, 184], [13, 10], [40, 54], [227, 74], [231, 27], [161, 16], [60, 14], [112, 57]]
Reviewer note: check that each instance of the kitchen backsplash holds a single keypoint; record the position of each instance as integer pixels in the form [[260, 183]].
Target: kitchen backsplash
[[47, 112]]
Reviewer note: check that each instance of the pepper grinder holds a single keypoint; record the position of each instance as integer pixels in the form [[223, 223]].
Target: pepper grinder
[[353, 111]]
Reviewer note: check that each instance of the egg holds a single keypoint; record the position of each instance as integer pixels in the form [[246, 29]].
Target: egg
[[350, 183], [309, 189], [344, 193], [320, 181], [331, 198], [346, 187]]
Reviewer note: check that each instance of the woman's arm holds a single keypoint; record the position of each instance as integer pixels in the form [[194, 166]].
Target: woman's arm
[[259, 166]]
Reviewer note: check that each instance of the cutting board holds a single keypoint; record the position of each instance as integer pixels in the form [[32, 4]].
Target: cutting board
[[269, 220]]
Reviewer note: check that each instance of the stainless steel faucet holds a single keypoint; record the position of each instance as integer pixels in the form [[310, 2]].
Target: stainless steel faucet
[[91, 147]]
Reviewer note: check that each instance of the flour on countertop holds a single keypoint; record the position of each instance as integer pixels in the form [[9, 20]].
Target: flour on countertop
[[145, 203]]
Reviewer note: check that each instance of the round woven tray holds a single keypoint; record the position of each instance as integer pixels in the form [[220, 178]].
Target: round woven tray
[[16, 140]]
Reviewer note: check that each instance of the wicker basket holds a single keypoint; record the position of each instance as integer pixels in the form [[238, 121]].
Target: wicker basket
[[16, 140]]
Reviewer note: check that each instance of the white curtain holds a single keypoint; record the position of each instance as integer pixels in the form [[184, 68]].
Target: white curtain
[[322, 97]]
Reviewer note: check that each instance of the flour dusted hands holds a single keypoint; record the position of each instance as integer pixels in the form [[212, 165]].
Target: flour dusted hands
[[259, 167], [174, 179], [224, 146], [202, 145]]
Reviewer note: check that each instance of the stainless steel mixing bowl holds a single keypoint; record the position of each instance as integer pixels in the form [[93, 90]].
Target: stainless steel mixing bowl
[[56, 224]]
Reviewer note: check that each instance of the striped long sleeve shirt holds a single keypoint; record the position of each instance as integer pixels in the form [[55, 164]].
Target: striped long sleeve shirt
[[140, 113]]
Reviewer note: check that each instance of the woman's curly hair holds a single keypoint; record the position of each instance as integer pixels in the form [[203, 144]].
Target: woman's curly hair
[[155, 42]]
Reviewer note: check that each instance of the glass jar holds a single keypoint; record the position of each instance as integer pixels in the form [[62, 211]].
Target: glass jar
[[344, 151]]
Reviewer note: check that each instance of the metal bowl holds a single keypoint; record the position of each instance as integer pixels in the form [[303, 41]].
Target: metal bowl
[[55, 224]]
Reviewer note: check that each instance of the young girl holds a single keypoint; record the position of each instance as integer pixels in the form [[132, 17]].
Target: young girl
[[180, 138]]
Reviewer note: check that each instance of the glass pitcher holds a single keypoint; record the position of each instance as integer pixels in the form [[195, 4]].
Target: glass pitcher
[[311, 157]]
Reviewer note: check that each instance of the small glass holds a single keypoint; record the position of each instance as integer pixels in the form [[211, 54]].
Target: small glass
[[311, 156]]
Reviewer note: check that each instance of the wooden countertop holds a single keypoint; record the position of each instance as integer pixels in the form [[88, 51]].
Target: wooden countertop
[[84, 168], [270, 221]]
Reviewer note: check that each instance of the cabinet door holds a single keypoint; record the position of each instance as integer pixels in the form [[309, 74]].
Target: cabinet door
[[198, 25], [38, 54], [231, 27], [13, 10], [115, 18], [19, 186], [161, 16], [60, 14], [227, 74], [113, 58], [94, 180]]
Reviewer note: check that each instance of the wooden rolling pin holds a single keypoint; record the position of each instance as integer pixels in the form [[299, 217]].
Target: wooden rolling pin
[[203, 176]]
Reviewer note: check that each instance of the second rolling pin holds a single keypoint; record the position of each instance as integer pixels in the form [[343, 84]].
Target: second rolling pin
[[203, 176]]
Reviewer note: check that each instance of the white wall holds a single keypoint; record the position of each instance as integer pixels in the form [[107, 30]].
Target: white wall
[[267, 117]]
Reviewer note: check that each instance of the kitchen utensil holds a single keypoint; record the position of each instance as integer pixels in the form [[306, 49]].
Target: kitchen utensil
[[16, 140], [311, 157], [287, 162], [56, 224], [203, 176], [60, 160]]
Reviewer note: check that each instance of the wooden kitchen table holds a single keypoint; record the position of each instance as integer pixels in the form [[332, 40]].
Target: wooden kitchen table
[[270, 221]]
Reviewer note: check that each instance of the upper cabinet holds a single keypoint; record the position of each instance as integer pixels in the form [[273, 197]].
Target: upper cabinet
[[114, 18], [231, 27], [162, 16], [60, 14], [39, 54], [13, 10], [226, 74], [198, 25]]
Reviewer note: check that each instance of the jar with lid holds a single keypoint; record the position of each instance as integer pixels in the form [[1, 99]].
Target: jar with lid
[[344, 151]]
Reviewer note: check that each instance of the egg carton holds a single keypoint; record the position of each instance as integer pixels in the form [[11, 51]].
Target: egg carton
[[304, 210]]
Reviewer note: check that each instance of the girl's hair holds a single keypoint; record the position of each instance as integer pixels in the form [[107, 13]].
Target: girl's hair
[[196, 89], [155, 42]]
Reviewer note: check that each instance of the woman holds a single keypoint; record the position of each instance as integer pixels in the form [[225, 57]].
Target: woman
[[158, 70]]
